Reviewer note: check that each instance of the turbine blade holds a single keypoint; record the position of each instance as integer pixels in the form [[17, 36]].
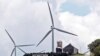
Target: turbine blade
[[10, 37], [44, 37], [21, 50], [25, 45], [12, 52], [50, 14], [65, 31]]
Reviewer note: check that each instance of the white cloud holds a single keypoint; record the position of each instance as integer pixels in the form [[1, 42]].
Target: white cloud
[[87, 27], [27, 22], [95, 4], [84, 26]]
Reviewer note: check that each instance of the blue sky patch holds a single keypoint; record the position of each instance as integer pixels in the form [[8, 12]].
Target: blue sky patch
[[80, 10]]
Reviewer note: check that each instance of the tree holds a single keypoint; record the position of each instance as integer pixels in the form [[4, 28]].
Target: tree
[[97, 51], [94, 47]]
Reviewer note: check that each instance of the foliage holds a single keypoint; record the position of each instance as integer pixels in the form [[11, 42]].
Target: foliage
[[97, 51], [95, 47]]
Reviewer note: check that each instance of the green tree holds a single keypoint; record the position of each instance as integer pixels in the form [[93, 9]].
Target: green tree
[[97, 51], [94, 46]]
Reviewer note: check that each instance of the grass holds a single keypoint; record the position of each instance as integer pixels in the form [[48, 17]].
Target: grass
[[78, 55]]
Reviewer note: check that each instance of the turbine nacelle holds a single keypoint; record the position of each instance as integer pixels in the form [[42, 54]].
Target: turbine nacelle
[[52, 27]]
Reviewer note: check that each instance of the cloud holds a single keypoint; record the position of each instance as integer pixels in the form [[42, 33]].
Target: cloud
[[23, 20], [55, 4], [95, 6], [84, 26], [87, 27], [27, 22]]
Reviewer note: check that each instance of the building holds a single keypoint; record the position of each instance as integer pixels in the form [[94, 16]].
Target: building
[[59, 44], [59, 50], [59, 47], [70, 49], [66, 51]]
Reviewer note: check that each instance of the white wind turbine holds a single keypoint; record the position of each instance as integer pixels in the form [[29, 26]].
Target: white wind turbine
[[52, 30], [16, 46]]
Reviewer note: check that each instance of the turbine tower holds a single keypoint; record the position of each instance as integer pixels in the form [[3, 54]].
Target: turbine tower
[[52, 30], [16, 46]]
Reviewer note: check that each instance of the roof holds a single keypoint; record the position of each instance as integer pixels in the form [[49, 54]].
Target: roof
[[70, 45]]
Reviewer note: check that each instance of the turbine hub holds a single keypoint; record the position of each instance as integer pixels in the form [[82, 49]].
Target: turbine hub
[[52, 27]]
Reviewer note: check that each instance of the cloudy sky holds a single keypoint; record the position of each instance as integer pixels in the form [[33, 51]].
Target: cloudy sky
[[28, 21]]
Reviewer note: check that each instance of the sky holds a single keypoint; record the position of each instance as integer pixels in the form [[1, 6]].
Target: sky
[[28, 21]]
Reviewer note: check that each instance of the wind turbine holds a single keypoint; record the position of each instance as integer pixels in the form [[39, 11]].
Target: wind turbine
[[52, 30], [17, 46]]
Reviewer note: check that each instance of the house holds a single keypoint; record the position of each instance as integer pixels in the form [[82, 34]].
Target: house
[[70, 49]]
